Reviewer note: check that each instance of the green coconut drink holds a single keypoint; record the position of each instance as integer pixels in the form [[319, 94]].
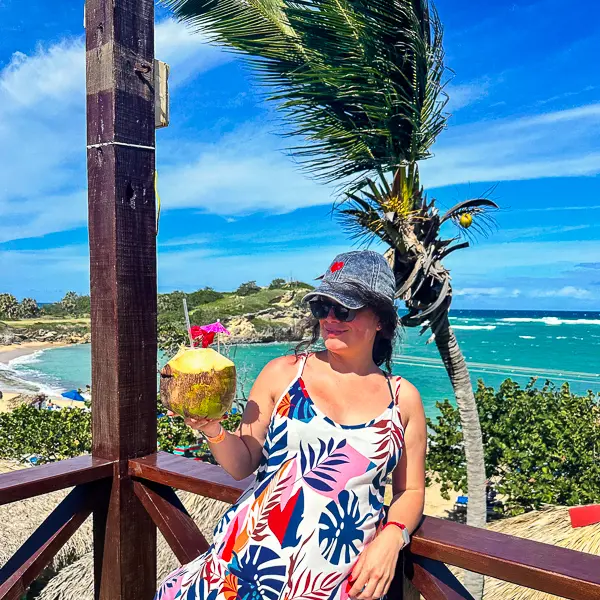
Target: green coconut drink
[[198, 383]]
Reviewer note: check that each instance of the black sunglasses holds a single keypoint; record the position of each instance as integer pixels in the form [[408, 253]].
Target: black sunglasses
[[321, 309]]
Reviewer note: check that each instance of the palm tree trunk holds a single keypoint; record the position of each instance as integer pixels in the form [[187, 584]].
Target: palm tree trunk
[[455, 364]]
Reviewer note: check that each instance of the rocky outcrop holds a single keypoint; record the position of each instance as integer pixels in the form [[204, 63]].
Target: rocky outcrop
[[58, 335], [286, 320]]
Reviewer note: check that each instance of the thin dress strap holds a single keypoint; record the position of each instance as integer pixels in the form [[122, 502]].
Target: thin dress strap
[[397, 391], [387, 378], [303, 360], [302, 364]]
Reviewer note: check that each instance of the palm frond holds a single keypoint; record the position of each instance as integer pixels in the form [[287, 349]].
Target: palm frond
[[361, 80], [254, 27]]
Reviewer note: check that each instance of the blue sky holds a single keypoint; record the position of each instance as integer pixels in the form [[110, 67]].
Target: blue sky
[[525, 104]]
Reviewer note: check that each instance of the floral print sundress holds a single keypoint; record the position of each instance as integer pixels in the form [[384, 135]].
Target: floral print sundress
[[316, 502]]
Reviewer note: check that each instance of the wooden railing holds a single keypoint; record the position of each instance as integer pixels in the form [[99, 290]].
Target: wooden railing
[[422, 570]]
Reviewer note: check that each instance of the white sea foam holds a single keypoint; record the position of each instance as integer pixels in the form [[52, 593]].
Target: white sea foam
[[527, 337], [552, 321], [486, 327], [12, 379], [21, 375], [26, 359]]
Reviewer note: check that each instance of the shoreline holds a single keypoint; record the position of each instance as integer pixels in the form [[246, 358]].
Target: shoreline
[[12, 351], [11, 391]]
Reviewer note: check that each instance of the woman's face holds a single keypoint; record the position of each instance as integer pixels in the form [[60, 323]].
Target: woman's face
[[344, 336]]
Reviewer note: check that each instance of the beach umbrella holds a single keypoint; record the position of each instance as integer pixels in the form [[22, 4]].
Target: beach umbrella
[[73, 395]]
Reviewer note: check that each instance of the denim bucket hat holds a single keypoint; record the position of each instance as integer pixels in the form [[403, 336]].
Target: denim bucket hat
[[367, 268]]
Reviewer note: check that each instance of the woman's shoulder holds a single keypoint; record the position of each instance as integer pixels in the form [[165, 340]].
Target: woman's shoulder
[[286, 362], [283, 368], [409, 398]]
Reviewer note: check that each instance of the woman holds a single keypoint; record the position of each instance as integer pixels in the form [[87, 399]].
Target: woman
[[322, 431]]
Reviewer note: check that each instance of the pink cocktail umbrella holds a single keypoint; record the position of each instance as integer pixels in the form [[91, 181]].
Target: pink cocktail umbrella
[[216, 328]]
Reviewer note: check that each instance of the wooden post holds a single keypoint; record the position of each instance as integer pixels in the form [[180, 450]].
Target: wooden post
[[122, 226]]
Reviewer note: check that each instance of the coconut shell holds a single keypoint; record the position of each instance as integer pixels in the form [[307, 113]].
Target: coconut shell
[[198, 383]]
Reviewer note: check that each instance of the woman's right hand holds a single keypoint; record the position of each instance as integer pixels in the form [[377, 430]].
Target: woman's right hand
[[209, 427]]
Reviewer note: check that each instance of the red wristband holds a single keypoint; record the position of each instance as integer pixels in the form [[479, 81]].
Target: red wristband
[[401, 525]]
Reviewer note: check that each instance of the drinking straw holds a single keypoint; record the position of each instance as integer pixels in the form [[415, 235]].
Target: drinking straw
[[187, 323]]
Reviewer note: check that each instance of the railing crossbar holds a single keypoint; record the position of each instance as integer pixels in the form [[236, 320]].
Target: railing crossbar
[[193, 476], [28, 483], [36, 553], [172, 519], [532, 564]]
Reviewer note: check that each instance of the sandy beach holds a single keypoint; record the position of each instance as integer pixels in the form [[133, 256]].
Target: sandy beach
[[10, 352]]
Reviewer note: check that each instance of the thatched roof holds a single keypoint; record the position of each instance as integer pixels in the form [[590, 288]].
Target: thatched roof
[[552, 526], [20, 519], [75, 581]]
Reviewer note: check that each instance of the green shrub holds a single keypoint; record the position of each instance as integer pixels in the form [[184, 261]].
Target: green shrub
[[50, 435], [295, 285], [277, 284], [203, 296], [9, 307], [28, 308], [57, 435], [541, 445], [248, 288], [171, 303]]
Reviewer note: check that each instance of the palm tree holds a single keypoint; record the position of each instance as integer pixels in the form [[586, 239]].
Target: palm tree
[[362, 83]]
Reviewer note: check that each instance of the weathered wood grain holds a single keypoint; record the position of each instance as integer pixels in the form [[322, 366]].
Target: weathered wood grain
[[122, 230], [172, 519], [433, 579], [27, 483], [543, 567], [189, 475]]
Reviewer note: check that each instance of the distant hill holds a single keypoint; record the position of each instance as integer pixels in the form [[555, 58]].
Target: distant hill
[[252, 314], [264, 315]]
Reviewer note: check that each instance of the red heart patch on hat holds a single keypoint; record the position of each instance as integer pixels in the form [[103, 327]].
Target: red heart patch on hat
[[336, 266]]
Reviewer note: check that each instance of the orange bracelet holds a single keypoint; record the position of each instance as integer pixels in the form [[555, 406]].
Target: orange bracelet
[[218, 438]]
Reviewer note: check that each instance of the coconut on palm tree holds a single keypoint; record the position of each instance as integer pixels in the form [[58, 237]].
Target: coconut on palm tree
[[361, 82]]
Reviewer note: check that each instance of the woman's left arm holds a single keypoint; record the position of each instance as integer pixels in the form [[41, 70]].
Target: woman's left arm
[[376, 565]]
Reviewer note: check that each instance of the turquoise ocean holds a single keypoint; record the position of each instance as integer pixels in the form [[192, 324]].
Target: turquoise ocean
[[559, 346]]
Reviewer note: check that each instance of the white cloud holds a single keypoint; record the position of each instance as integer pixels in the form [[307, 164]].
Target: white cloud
[[475, 292], [48, 79], [45, 274], [43, 124], [557, 144], [557, 208], [188, 53], [192, 269], [535, 258], [564, 292], [502, 292], [42, 128], [462, 95], [243, 172]]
